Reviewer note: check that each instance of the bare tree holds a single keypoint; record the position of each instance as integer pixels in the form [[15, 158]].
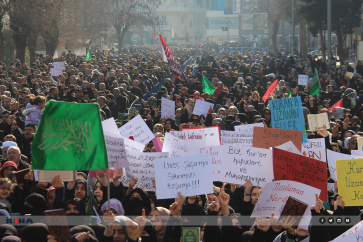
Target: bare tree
[[275, 10], [128, 13]]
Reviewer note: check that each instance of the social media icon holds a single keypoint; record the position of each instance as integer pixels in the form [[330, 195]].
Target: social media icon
[[347, 220], [322, 220], [339, 220], [330, 220]]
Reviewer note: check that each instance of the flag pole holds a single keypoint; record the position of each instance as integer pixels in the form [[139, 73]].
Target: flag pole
[[108, 193]]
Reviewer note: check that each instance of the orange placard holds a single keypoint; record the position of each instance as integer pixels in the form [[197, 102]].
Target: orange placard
[[270, 137]]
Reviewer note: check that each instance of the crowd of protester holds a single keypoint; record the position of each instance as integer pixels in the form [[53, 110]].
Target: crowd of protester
[[115, 82]]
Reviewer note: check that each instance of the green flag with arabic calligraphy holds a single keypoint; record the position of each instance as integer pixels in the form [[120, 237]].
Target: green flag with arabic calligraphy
[[69, 138]]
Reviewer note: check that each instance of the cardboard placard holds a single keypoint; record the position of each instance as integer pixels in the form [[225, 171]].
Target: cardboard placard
[[275, 194], [350, 184], [47, 176], [193, 138], [189, 175], [201, 107], [269, 137], [212, 134], [137, 128], [167, 108], [236, 137], [293, 167], [303, 80], [287, 113], [332, 157], [315, 148]]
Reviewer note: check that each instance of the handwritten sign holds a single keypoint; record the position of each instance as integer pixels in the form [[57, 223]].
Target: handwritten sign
[[176, 147], [355, 229], [116, 152], [250, 163], [211, 134], [315, 148], [59, 65], [288, 146], [137, 128], [287, 113], [141, 167], [332, 157], [357, 153], [56, 71], [167, 108], [275, 195], [201, 107], [109, 126], [269, 137], [350, 181], [247, 127], [217, 153], [237, 137], [303, 80], [196, 138], [133, 145], [189, 175], [293, 167]]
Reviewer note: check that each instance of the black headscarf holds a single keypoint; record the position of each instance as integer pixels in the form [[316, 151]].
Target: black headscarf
[[149, 228], [242, 117], [37, 232], [133, 203], [77, 202], [38, 203], [7, 229], [84, 182], [81, 228]]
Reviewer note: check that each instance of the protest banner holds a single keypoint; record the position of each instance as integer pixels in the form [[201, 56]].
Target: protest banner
[[332, 157], [247, 127], [109, 126], [194, 138], [236, 137], [315, 148], [303, 80], [288, 146], [167, 108], [141, 167], [269, 137], [355, 229], [357, 153], [137, 128], [176, 147], [212, 136], [189, 175], [59, 65], [275, 195], [201, 107], [294, 167], [254, 164], [56, 71], [350, 181], [287, 113], [133, 145], [352, 237], [116, 151], [360, 143], [217, 154]]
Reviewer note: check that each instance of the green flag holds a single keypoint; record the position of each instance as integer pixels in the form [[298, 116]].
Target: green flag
[[69, 138], [290, 94], [315, 88], [88, 56], [207, 86]]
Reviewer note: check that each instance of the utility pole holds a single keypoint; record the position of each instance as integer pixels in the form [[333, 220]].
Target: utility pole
[[293, 27], [330, 57], [228, 25]]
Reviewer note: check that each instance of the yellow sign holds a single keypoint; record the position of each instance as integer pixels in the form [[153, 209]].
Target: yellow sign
[[350, 181], [360, 143]]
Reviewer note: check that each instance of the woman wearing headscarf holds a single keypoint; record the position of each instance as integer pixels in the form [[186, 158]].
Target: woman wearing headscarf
[[149, 233], [119, 229], [220, 98], [37, 232], [337, 113], [266, 114], [115, 206], [218, 122], [11, 238], [137, 198], [7, 167], [6, 230], [34, 204], [157, 217]]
